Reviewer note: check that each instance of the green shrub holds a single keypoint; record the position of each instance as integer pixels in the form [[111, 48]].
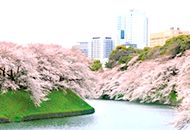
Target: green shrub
[[118, 96], [108, 65], [105, 97], [144, 53], [125, 59], [176, 45], [121, 55], [173, 97], [96, 65]]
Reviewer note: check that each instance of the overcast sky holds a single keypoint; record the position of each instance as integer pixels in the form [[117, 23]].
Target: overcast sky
[[68, 21]]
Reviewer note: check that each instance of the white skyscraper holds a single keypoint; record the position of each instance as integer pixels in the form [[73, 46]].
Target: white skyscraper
[[133, 29], [121, 30], [100, 48]]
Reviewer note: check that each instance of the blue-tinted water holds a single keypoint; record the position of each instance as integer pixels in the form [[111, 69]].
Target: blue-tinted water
[[109, 115]]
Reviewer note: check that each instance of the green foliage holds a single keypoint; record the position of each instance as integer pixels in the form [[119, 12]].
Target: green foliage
[[121, 55], [117, 53], [15, 106], [173, 97], [118, 96], [125, 59], [108, 65], [172, 47], [96, 65], [149, 53], [176, 45], [105, 97], [121, 47], [144, 53]]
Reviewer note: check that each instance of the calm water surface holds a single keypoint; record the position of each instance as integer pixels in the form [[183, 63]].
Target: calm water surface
[[109, 115]]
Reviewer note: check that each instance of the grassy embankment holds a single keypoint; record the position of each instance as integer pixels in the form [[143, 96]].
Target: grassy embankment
[[17, 106]]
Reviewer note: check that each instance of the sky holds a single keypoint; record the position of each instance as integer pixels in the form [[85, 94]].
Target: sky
[[66, 22]]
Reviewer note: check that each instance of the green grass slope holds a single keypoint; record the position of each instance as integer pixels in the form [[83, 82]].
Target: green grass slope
[[18, 106]]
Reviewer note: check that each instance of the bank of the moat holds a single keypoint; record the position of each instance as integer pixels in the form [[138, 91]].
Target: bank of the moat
[[16, 106]]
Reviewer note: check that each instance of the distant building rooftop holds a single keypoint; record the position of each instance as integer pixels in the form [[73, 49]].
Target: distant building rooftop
[[159, 39]]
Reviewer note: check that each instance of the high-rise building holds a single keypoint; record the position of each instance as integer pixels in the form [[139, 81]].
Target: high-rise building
[[100, 48], [121, 29], [159, 39], [133, 29]]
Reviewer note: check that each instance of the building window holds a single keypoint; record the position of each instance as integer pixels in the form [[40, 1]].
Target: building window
[[122, 34]]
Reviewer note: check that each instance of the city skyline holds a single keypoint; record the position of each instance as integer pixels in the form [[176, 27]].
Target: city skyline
[[60, 22]]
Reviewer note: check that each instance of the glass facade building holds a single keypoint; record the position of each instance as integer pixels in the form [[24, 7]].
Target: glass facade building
[[133, 29]]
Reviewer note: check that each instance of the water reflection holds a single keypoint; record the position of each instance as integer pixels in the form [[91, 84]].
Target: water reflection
[[77, 121]]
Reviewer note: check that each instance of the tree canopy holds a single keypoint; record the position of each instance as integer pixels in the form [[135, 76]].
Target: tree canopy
[[96, 65], [39, 68], [172, 47]]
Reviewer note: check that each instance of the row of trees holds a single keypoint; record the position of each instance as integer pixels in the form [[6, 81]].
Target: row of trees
[[174, 46], [40, 68], [122, 55], [163, 80]]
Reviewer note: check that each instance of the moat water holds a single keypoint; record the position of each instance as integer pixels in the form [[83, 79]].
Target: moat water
[[109, 115]]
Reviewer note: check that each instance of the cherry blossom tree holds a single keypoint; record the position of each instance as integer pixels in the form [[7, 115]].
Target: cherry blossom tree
[[162, 80], [40, 68]]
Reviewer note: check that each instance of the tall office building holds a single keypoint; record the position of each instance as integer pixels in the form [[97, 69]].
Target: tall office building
[[133, 29], [100, 48], [121, 29]]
